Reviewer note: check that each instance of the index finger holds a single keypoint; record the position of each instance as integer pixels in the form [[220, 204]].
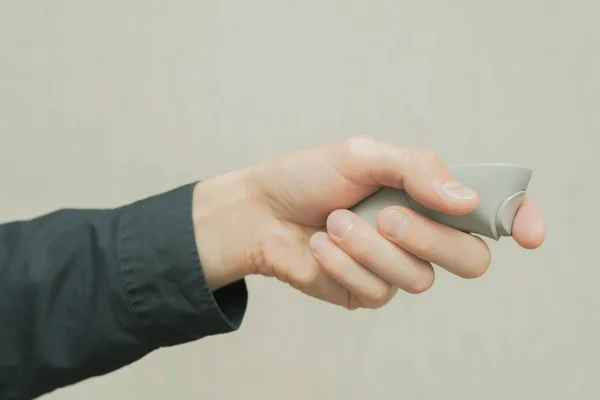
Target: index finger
[[368, 161]]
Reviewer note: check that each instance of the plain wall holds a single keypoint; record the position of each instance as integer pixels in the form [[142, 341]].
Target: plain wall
[[108, 101]]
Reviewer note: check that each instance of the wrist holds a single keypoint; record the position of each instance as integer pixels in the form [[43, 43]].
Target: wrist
[[227, 214]]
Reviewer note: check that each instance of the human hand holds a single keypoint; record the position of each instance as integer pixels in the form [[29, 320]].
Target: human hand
[[288, 218]]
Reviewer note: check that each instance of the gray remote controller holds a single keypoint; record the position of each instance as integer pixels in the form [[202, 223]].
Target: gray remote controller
[[500, 187]]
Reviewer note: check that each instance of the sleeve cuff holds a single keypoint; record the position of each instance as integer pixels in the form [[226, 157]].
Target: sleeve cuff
[[164, 284]]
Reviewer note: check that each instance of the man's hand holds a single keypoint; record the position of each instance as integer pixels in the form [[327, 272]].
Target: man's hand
[[288, 218]]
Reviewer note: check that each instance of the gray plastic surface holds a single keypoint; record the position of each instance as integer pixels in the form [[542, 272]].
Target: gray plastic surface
[[500, 187]]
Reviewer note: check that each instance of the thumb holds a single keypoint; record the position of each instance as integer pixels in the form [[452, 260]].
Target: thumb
[[364, 160]]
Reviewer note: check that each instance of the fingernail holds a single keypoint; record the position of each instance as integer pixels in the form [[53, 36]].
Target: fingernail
[[456, 190], [339, 224], [393, 223], [318, 243]]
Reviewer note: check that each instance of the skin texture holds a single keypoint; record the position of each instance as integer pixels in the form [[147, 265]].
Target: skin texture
[[288, 218]]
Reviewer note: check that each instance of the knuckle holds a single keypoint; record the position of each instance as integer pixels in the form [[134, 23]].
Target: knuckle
[[422, 283], [479, 268], [352, 303], [358, 139], [356, 145], [377, 297], [479, 261], [351, 306]]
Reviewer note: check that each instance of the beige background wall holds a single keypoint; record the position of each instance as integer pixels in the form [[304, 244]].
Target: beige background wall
[[103, 102]]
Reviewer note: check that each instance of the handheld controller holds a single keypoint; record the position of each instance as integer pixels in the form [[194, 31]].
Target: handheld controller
[[500, 187]]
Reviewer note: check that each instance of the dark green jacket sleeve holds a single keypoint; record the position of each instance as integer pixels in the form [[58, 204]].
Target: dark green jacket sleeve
[[85, 292]]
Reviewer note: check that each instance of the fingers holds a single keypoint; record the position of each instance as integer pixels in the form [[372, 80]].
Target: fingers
[[367, 161], [370, 290], [362, 243], [529, 226], [370, 263], [460, 253], [310, 278], [331, 275]]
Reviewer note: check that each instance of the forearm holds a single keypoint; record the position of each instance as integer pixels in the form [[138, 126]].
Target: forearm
[[83, 293]]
